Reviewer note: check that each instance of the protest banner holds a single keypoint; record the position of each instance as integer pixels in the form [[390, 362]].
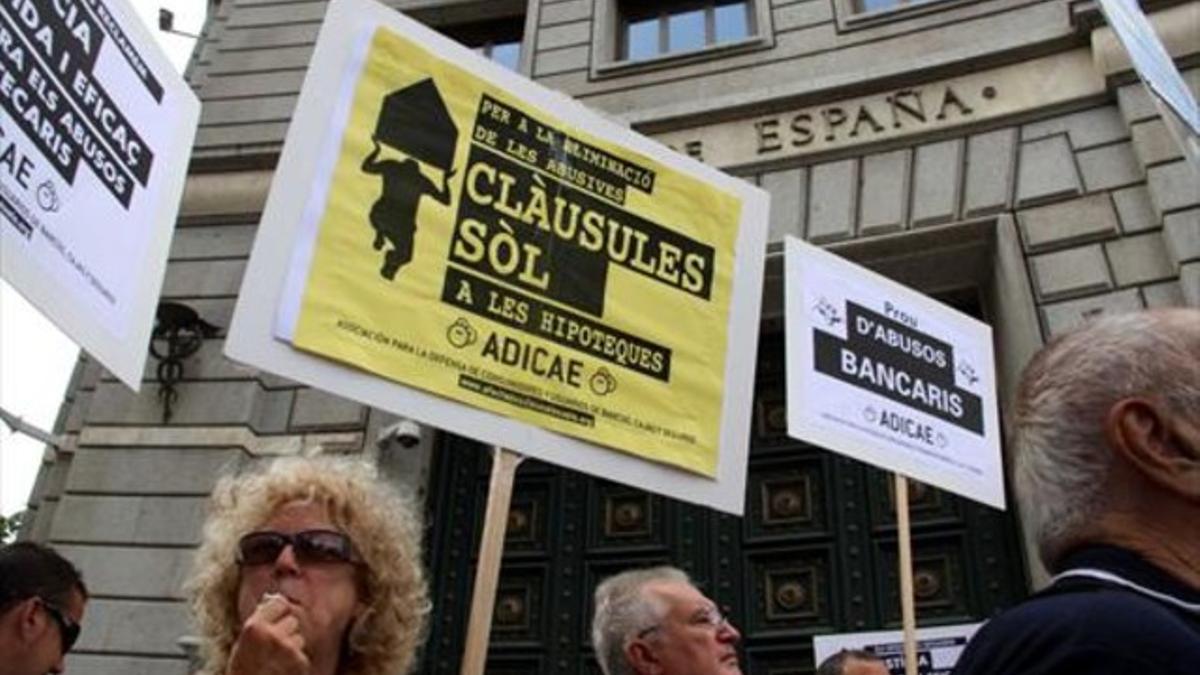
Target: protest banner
[[449, 241], [886, 375], [938, 648], [1150, 59], [889, 376], [95, 136]]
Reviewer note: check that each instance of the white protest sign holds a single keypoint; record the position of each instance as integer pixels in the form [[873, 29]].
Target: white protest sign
[[1151, 60], [938, 648], [95, 135], [889, 376], [446, 240]]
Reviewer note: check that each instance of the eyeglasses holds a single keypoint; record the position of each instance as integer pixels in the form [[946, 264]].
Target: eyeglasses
[[67, 628], [310, 546], [710, 618]]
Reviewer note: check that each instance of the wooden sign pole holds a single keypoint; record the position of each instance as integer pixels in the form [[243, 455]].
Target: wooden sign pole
[[491, 548], [907, 607]]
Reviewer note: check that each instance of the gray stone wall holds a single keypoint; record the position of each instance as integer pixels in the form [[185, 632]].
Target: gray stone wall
[[810, 49], [250, 68], [252, 64], [1109, 217]]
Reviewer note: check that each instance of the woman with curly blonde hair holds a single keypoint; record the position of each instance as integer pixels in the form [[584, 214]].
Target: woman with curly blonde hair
[[310, 567]]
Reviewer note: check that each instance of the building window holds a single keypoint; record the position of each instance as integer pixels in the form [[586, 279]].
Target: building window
[[675, 27], [498, 39], [876, 5], [868, 14], [887, 6]]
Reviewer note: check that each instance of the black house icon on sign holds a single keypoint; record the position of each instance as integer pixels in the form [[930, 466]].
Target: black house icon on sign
[[415, 120]]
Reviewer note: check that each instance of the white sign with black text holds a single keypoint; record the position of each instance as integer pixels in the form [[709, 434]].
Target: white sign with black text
[[95, 132], [938, 648], [889, 376]]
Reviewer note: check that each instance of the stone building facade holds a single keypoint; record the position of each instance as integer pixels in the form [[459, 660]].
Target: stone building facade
[[998, 154]]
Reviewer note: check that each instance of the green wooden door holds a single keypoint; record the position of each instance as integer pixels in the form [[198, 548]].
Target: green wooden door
[[814, 554]]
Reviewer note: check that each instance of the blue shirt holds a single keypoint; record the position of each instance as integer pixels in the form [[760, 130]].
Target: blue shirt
[[1108, 613]]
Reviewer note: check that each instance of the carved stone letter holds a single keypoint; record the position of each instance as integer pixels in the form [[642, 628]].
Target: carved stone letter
[[865, 117], [834, 117], [802, 126], [949, 99], [900, 105], [768, 136]]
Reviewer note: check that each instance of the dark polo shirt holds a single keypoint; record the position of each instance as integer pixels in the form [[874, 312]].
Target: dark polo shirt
[[1109, 612]]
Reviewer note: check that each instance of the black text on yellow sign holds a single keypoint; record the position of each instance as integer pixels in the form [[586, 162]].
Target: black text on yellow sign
[[485, 251]]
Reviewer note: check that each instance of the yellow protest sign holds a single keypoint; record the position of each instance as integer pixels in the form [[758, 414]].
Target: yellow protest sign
[[448, 241], [483, 249]]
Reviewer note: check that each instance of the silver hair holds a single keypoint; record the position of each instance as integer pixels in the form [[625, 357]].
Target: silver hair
[[623, 609], [836, 664], [1066, 392]]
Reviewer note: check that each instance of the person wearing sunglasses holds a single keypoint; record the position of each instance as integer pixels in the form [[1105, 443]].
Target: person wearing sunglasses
[[655, 622], [309, 567], [42, 598]]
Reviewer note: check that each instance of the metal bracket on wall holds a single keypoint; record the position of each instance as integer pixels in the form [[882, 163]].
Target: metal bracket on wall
[[184, 332]]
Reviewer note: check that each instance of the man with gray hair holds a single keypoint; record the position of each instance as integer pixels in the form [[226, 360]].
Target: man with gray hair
[[853, 662], [655, 622], [1107, 471]]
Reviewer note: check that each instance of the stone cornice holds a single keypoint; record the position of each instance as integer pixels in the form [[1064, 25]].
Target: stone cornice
[[935, 106]]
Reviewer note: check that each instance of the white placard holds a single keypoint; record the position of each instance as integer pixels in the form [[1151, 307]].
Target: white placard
[[1151, 60], [95, 133], [938, 648], [301, 191], [886, 375]]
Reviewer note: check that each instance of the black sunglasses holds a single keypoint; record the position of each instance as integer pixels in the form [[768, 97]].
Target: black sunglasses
[[309, 546], [67, 628]]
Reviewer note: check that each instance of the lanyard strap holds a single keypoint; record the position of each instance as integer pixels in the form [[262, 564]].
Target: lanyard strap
[[1103, 575]]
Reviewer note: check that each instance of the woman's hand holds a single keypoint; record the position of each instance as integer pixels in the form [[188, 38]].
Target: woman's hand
[[270, 642]]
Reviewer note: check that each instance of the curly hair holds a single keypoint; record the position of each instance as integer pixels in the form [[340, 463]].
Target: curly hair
[[385, 530]]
